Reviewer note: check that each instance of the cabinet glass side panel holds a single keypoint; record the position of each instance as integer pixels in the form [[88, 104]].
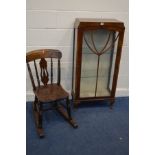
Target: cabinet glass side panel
[[74, 60], [97, 58]]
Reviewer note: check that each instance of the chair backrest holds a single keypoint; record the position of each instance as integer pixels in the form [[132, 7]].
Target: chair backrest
[[42, 54]]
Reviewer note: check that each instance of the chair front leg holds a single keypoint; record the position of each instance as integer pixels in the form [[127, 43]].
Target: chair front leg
[[35, 104], [68, 108], [39, 109]]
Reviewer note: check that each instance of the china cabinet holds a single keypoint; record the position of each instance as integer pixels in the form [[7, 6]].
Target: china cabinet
[[96, 59]]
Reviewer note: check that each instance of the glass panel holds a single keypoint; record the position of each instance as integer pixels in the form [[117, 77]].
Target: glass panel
[[113, 57], [97, 58], [102, 89], [74, 62], [89, 65], [87, 87]]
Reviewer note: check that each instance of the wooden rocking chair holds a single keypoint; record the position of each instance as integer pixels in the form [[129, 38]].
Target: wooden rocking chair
[[52, 92]]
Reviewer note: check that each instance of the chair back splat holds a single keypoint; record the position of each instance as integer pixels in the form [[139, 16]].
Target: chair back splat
[[44, 75]]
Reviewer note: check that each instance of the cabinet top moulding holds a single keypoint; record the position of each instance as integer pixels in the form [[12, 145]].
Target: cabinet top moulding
[[97, 22]]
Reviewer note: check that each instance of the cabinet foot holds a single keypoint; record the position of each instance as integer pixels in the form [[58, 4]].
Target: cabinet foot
[[112, 103], [76, 103]]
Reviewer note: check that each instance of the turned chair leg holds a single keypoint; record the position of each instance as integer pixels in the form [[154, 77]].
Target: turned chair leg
[[38, 117], [68, 108], [35, 104]]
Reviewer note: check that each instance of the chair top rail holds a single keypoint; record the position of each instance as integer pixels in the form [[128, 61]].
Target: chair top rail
[[43, 53]]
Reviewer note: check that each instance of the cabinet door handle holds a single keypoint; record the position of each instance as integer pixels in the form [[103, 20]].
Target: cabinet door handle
[[101, 23]]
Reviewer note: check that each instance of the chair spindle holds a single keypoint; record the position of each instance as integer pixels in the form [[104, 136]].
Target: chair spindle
[[31, 76], [51, 71], [37, 73], [59, 72]]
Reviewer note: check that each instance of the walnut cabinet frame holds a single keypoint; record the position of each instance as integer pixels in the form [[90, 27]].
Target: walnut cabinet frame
[[96, 59]]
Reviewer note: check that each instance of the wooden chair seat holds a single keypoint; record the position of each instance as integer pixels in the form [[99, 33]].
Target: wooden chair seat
[[51, 92]]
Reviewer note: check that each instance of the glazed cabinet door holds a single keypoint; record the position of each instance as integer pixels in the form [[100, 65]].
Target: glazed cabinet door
[[97, 63], [97, 52]]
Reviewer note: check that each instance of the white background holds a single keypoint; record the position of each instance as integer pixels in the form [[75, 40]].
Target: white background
[[13, 78]]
